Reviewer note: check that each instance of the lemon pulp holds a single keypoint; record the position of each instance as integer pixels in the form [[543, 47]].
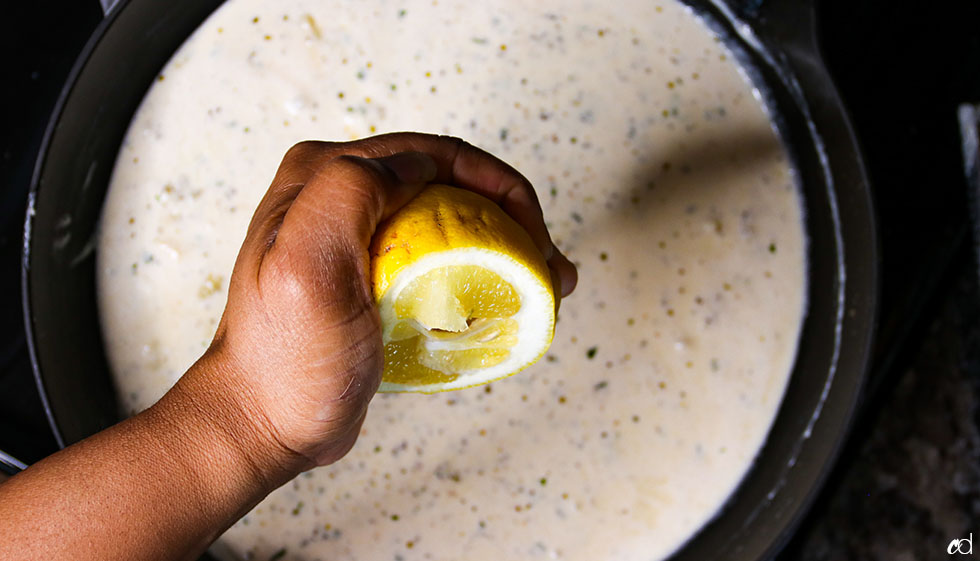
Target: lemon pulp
[[449, 320]]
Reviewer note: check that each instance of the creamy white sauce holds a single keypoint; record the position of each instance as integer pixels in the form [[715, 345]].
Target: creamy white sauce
[[660, 176]]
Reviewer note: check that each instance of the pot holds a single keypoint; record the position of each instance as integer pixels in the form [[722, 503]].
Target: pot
[[776, 42]]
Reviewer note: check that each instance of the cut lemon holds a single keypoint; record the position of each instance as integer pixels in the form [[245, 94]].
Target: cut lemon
[[464, 295]]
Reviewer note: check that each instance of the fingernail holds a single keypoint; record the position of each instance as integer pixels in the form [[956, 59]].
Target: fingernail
[[410, 167]]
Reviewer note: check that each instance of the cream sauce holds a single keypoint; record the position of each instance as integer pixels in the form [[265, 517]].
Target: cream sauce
[[660, 175]]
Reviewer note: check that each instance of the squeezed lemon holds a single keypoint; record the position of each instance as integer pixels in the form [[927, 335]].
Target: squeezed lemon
[[464, 295]]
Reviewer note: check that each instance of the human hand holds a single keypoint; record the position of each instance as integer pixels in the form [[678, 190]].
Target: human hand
[[298, 353], [287, 379]]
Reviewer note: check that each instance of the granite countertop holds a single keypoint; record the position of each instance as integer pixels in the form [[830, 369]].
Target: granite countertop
[[910, 480]]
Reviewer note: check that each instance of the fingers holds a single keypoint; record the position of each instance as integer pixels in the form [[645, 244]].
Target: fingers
[[373, 177], [565, 271], [414, 170], [410, 167], [463, 165], [349, 195], [297, 166], [481, 172]]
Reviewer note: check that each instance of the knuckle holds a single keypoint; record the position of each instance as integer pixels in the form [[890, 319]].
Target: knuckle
[[306, 150], [355, 166], [363, 181], [457, 144]]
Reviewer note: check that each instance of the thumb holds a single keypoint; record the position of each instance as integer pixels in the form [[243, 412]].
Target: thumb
[[348, 196], [414, 170]]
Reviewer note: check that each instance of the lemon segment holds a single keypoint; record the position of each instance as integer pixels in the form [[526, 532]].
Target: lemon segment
[[464, 295], [450, 298]]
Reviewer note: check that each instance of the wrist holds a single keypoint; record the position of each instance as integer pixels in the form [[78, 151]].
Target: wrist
[[220, 440]]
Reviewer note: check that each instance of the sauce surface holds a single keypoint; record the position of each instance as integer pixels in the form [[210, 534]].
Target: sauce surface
[[660, 175]]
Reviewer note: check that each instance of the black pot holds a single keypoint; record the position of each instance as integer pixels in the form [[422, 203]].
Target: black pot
[[776, 41]]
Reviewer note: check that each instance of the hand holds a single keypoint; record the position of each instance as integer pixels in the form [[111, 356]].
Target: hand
[[298, 353], [286, 381]]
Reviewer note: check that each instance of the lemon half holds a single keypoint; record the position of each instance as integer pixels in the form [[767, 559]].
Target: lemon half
[[464, 295]]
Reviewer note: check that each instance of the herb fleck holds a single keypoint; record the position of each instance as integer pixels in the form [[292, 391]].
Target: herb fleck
[[282, 552], [591, 352]]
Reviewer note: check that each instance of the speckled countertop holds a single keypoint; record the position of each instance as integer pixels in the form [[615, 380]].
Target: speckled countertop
[[912, 478]]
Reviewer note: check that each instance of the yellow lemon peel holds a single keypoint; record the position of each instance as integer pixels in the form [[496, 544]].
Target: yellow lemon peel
[[464, 295]]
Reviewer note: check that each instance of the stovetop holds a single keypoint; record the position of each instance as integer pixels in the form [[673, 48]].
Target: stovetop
[[900, 72]]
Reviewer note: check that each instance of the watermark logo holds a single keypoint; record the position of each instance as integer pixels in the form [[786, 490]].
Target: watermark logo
[[962, 546]]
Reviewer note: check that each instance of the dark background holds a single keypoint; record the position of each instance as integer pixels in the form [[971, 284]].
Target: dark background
[[909, 477]]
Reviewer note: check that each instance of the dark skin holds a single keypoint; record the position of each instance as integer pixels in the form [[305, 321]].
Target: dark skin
[[284, 386]]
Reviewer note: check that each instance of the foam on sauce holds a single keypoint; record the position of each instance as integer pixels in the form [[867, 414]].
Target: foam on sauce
[[660, 176]]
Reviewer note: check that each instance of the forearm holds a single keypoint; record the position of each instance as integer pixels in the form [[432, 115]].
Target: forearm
[[160, 485]]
